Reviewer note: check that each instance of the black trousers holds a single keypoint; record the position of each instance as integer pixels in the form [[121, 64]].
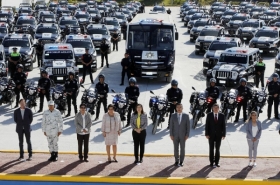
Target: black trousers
[[12, 68], [74, 102], [41, 95], [272, 100], [83, 140], [27, 137], [104, 102], [104, 55], [139, 140], [127, 74], [244, 107], [214, 143], [130, 108], [18, 91], [85, 69], [39, 59], [259, 78], [172, 109], [115, 45]]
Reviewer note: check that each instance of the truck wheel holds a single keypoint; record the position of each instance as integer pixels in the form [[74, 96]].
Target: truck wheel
[[93, 70], [168, 79]]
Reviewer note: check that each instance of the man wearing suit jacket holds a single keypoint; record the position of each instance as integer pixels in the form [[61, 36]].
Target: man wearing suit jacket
[[215, 131], [179, 133], [23, 117]]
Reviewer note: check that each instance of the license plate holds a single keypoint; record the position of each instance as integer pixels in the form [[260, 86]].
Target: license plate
[[261, 51], [59, 78], [80, 66], [222, 82], [97, 48], [149, 73], [245, 38]]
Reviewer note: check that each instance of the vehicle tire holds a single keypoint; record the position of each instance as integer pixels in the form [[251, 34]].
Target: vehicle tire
[[168, 79], [196, 52], [191, 40], [195, 120], [189, 31], [204, 71], [276, 52], [93, 70], [155, 126]]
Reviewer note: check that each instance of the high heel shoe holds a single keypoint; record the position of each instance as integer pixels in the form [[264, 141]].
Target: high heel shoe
[[109, 160], [115, 160]]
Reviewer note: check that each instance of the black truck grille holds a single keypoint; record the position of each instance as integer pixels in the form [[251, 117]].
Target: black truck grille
[[59, 71]]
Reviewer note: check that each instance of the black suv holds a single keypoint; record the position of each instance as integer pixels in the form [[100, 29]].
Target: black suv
[[257, 11], [218, 12], [47, 33], [197, 27], [227, 16], [194, 18], [269, 15], [189, 15], [236, 21], [206, 36], [212, 55], [112, 24], [248, 29], [267, 40]]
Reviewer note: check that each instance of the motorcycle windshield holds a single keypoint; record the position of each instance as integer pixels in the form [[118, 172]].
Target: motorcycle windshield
[[2, 66], [233, 92], [91, 92], [33, 84], [202, 94], [59, 88], [4, 80]]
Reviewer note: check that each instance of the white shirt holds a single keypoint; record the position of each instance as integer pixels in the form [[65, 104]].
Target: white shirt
[[84, 125], [179, 116], [254, 130], [215, 115]]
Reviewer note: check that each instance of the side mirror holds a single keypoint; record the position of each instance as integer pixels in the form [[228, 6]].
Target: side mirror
[[152, 92], [193, 88], [113, 90], [176, 35]]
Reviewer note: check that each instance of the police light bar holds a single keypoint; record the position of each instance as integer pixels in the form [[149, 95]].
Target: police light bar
[[58, 47], [237, 51]]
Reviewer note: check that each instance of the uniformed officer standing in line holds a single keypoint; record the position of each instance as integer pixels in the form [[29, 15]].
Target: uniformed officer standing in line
[[52, 126], [44, 84], [259, 72], [174, 95], [132, 92], [71, 87], [14, 60], [39, 52], [20, 79], [125, 67], [102, 90], [168, 11], [273, 91], [115, 39], [243, 91], [213, 92], [104, 52], [87, 61]]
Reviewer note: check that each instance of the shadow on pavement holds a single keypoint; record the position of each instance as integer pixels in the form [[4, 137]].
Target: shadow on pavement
[[166, 172], [203, 173], [95, 170], [123, 171], [9, 165], [34, 169], [66, 169], [243, 173]]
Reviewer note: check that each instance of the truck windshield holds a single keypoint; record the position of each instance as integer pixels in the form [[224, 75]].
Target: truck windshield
[[271, 34], [209, 33], [47, 30], [233, 58], [59, 54], [152, 37], [222, 45], [16, 42], [80, 43], [250, 24]]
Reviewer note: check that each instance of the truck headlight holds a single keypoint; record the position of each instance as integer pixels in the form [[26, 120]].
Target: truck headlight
[[70, 69], [49, 70], [234, 75], [273, 44], [241, 74], [213, 73], [206, 60], [197, 43]]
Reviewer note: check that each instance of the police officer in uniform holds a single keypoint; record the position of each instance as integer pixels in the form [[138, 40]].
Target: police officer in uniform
[[14, 60], [19, 78], [213, 92], [102, 90], [44, 84], [39, 51], [87, 61], [168, 11], [52, 126], [244, 92], [132, 92], [259, 72], [125, 67], [115, 40], [174, 95], [104, 52], [71, 87], [273, 90]]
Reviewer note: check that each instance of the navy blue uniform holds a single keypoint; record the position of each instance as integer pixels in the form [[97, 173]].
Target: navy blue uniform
[[173, 95], [20, 79], [71, 86], [132, 93], [102, 89], [273, 88], [213, 92], [45, 85], [246, 93]]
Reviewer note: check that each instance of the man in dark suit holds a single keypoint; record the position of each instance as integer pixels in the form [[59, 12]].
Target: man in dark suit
[[215, 131], [23, 117], [179, 133]]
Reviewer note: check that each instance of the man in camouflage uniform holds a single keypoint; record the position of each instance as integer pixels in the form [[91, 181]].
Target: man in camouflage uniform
[[52, 126]]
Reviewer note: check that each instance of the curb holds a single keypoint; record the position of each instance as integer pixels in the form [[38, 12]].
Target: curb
[[131, 154], [135, 180]]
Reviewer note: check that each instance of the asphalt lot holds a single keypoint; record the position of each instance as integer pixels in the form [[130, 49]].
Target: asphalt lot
[[188, 71]]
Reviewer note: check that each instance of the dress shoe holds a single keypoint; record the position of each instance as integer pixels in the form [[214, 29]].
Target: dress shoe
[[86, 160], [136, 161], [39, 111], [176, 163], [277, 118], [67, 115], [235, 121], [141, 161], [127, 125], [96, 119], [218, 165], [181, 164], [29, 158], [121, 84]]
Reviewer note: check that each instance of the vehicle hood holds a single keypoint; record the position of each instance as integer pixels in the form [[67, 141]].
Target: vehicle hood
[[99, 37], [263, 39], [46, 35], [213, 53], [229, 67], [81, 51], [206, 38]]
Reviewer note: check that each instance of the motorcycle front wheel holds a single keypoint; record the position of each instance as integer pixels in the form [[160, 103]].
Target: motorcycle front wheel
[[155, 126], [195, 120]]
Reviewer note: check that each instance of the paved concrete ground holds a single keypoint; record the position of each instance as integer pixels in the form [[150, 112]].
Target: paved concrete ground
[[194, 167], [188, 72]]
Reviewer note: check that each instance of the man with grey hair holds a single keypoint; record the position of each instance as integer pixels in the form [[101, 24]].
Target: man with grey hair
[[52, 126], [179, 133]]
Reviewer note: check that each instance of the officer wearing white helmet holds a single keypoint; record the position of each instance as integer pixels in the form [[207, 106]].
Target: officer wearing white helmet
[[52, 126]]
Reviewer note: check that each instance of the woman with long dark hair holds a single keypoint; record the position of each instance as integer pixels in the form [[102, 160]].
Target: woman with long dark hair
[[139, 122], [254, 132]]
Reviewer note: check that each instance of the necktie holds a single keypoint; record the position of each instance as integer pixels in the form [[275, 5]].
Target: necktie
[[179, 118], [216, 119]]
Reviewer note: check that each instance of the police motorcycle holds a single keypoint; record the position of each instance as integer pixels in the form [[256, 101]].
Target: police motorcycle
[[3, 69], [199, 103], [159, 106], [31, 91], [229, 101], [7, 92], [258, 101], [90, 99], [59, 97], [120, 104]]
